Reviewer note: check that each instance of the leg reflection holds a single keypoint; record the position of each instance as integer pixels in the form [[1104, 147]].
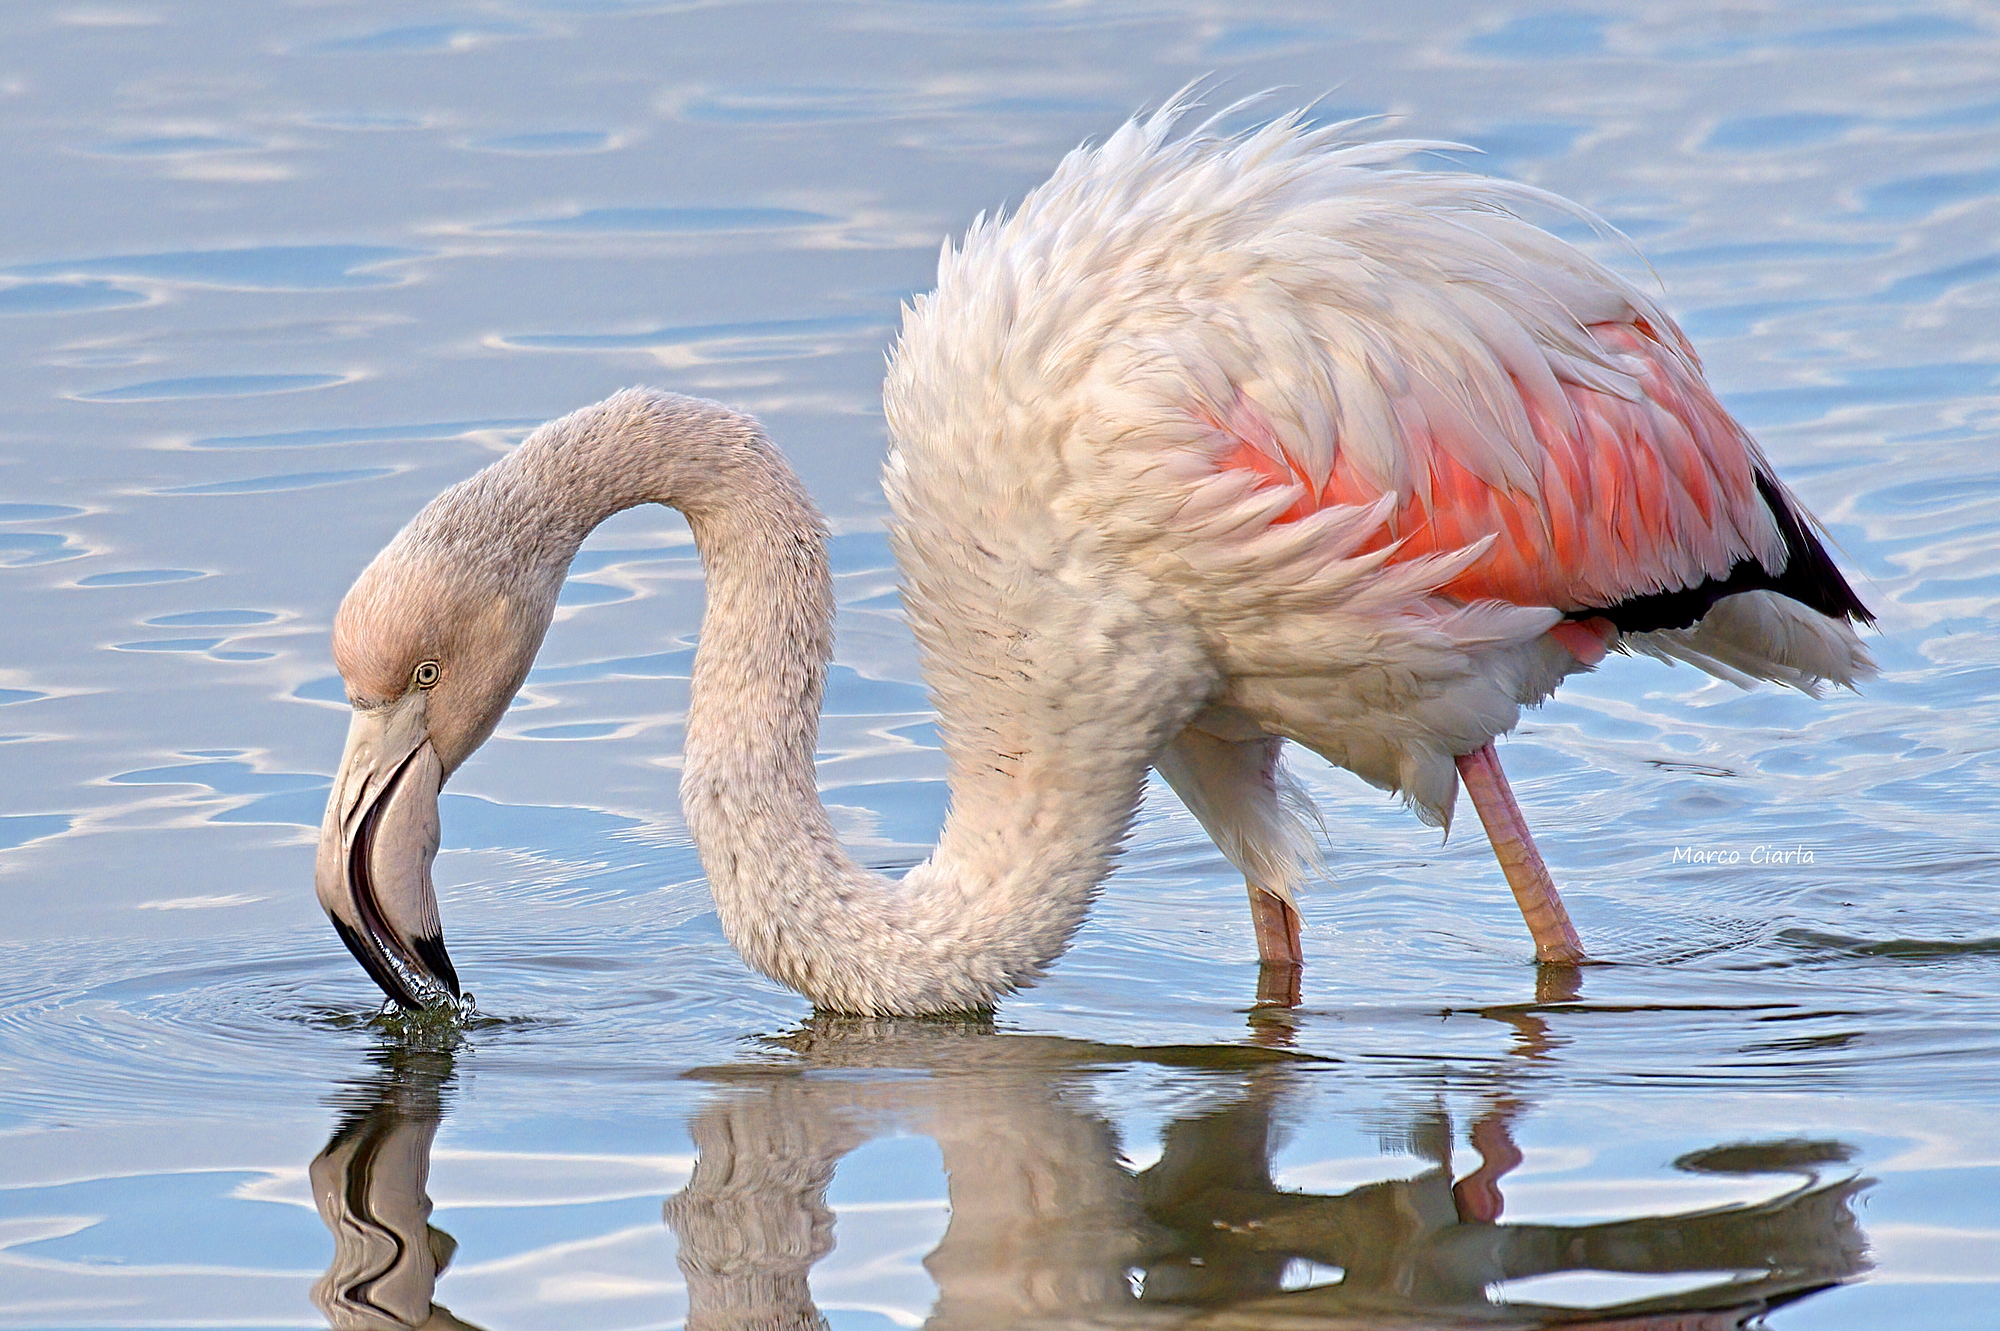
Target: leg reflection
[[1477, 1195]]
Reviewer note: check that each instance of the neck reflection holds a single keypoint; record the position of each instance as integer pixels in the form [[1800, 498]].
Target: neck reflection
[[1048, 1220]]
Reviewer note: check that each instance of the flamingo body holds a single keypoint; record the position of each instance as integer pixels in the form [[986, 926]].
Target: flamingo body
[[1399, 460], [1213, 444]]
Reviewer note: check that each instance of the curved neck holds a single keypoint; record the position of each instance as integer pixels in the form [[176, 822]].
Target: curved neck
[[1036, 819]]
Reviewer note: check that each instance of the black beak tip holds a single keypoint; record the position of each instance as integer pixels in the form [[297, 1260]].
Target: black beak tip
[[430, 953]]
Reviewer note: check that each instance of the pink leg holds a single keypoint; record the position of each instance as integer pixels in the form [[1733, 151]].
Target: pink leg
[[1477, 1195], [1555, 937], [1278, 947]]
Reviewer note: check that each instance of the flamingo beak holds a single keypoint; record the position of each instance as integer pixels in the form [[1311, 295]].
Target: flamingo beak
[[375, 853]]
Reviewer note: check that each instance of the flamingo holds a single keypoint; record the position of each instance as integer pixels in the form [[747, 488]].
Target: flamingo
[[1217, 442]]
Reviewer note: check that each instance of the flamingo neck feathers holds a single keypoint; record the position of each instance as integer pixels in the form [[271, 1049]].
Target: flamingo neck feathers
[[1019, 860]]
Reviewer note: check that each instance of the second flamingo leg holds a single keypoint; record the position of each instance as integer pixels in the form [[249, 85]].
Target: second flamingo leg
[[1233, 787], [1541, 905], [1279, 950]]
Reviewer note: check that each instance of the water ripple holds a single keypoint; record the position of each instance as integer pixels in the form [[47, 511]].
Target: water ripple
[[66, 297], [212, 385], [301, 480], [258, 268], [666, 221]]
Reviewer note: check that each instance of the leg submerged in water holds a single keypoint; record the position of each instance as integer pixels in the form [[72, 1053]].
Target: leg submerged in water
[[1237, 790], [1280, 954]]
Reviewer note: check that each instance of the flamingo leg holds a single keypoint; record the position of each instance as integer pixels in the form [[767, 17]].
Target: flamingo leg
[[1232, 787], [1555, 937], [1278, 948]]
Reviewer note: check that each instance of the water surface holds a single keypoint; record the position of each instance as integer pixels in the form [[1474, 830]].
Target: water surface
[[272, 276]]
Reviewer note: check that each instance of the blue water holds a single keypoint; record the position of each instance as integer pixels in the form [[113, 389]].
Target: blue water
[[272, 276]]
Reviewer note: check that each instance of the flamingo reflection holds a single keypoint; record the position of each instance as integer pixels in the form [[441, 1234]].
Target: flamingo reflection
[[1048, 1221]]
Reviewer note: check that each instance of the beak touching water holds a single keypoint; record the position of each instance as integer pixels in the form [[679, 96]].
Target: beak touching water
[[375, 853]]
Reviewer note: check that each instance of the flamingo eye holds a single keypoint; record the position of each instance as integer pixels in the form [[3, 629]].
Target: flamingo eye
[[426, 675]]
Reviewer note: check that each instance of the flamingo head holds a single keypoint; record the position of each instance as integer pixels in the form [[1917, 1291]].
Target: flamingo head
[[433, 641]]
